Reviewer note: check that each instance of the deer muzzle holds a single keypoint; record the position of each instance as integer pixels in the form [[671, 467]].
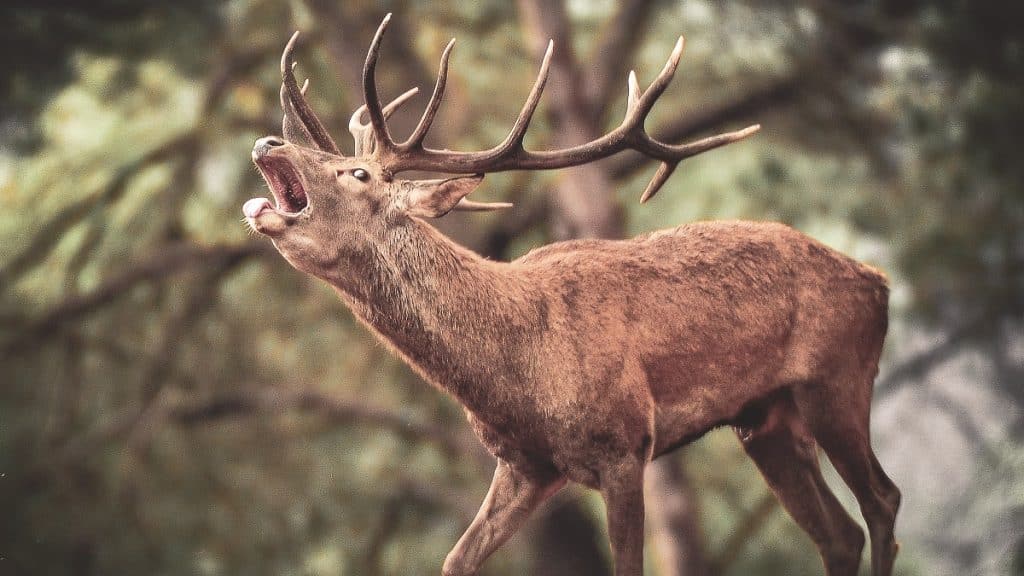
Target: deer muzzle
[[264, 145], [271, 156]]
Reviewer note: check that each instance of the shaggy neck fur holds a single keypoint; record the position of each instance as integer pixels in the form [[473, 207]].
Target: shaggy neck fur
[[451, 314]]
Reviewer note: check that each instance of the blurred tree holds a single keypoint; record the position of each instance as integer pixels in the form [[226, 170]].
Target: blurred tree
[[37, 64]]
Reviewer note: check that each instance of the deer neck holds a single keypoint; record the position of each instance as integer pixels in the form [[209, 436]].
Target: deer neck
[[446, 310]]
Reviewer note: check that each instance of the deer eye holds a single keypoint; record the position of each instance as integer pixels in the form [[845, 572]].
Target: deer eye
[[360, 174]]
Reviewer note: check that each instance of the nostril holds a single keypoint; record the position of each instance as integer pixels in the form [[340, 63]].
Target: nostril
[[269, 141], [265, 145]]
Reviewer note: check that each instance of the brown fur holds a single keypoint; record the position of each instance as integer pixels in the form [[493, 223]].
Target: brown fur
[[584, 360]]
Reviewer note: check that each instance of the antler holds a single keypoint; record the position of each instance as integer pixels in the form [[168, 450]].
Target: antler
[[300, 122], [510, 154], [365, 140]]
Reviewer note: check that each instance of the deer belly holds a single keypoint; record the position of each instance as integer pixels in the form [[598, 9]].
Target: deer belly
[[575, 440], [704, 385]]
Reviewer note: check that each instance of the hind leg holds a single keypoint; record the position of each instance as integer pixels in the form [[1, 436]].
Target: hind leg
[[838, 416], [782, 447]]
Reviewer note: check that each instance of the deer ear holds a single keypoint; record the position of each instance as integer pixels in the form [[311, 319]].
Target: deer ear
[[435, 198]]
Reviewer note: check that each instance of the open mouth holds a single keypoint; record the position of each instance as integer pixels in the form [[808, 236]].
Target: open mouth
[[284, 183]]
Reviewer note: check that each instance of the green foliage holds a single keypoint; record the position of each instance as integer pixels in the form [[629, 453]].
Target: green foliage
[[45, 39]]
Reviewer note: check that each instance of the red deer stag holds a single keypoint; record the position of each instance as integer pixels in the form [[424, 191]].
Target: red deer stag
[[584, 360]]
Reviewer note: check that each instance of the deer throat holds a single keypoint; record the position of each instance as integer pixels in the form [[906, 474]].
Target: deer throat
[[447, 312]]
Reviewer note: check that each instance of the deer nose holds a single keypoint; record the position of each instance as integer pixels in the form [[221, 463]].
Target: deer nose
[[263, 145]]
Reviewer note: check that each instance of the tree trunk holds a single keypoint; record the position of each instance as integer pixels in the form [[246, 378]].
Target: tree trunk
[[567, 541], [673, 522], [583, 205]]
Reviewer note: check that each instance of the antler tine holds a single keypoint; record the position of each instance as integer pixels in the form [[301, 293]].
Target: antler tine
[[467, 205], [510, 153], [356, 122], [363, 133], [683, 151], [499, 157], [416, 138], [518, 132], [660, 177], [664, 78], [291, 130], [639, 106], [306, 116], [633, 91], [370, 95]]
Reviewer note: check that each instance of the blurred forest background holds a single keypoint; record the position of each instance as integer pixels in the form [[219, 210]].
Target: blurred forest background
[[175, 399]]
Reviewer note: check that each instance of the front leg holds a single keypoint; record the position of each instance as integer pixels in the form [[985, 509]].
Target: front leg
[[509, 501], [622, 486]]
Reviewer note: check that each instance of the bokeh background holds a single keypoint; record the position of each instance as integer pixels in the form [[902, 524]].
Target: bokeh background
[[175, 399]]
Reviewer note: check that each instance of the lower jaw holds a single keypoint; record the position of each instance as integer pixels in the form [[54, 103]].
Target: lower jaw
[[268, 223]]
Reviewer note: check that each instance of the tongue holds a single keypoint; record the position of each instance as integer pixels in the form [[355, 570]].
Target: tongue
[[252, 208]]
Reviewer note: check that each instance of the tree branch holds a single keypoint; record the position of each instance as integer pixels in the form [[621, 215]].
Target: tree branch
[[151, 268], [919, 364], [336, 410], [201, 297], [967, 426], [272, 402], [613, 54], [675, 530], [50, 234]]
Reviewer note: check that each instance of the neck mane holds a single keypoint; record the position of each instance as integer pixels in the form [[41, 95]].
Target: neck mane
[[453, 315]]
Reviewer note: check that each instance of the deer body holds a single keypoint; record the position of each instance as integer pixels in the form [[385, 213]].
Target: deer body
[[584, 360], [587, 350]]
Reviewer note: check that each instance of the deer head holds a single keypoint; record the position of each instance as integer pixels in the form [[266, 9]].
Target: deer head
[[328, 203]]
